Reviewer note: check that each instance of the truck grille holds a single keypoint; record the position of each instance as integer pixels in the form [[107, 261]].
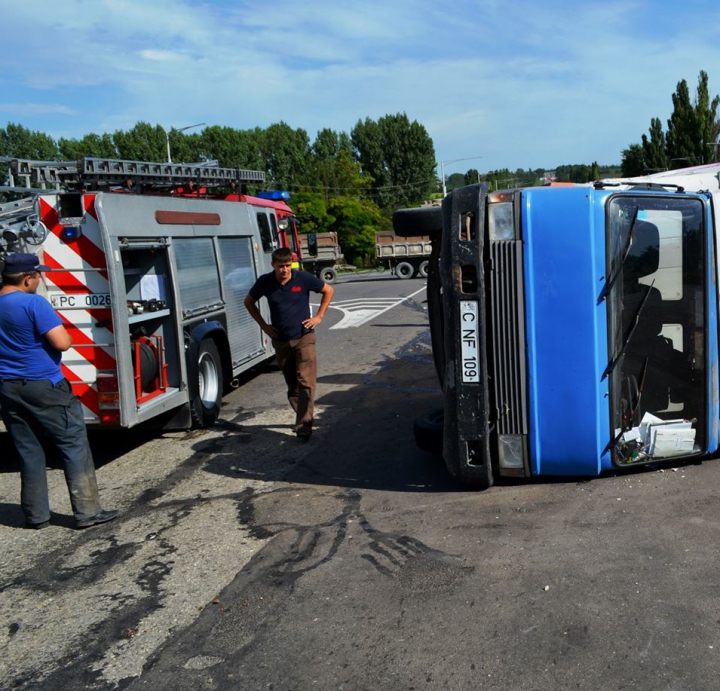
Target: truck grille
[[508, 336]]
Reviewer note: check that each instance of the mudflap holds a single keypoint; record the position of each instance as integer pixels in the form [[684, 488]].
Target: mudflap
[[466, 438]]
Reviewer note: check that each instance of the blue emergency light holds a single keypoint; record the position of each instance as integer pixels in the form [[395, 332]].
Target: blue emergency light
[[275, 195], [69, 233]]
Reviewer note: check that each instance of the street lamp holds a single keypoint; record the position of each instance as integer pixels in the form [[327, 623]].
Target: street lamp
[[452, 160], [182, 129]]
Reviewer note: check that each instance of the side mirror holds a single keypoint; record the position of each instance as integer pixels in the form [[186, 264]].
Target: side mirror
[[312, 244]]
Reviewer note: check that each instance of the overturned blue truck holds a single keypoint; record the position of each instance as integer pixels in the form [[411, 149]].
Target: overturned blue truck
[[574, 328]]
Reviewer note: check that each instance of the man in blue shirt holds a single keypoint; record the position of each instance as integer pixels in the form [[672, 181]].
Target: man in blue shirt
[[292, 330], [37, 400]]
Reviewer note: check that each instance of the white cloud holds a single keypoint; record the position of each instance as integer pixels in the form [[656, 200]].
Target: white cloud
[[524, 85]]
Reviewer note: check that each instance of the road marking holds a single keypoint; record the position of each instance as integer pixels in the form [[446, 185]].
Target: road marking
[[360, 311]]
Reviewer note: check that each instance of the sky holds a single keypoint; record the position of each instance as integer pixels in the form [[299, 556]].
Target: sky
[[522, 84]]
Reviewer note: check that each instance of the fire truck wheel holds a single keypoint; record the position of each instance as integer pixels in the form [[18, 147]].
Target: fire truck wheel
[[206, 405], [428, 429], [329, 275], [404, 270], [423, 269]]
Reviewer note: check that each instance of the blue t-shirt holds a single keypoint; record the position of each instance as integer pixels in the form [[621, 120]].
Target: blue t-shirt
[[289, 303], [24, 352]]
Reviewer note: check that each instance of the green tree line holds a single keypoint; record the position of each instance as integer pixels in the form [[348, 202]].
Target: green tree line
[[349, 183], [691, 137]]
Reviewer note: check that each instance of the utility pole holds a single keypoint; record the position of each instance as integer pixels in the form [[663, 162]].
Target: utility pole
[[182, 129], [454, 160]]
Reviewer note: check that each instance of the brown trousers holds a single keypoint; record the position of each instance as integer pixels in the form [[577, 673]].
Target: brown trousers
[[298, 363]]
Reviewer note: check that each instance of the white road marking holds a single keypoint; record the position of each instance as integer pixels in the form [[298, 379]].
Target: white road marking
[[360, 311]]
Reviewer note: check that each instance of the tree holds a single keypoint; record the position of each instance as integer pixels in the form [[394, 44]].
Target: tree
[[100, 146], [633, 161], [233, 148], [311, 210], [692, 127], [655, 157], [142, 143], [333, 166], [472, 176], [286, 153], [356, 222], [18, 142], [706, 120], [399, 156]]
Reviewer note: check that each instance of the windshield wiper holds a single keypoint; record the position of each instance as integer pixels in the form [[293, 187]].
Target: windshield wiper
[[643, 373], [623, 256], [635, 320]]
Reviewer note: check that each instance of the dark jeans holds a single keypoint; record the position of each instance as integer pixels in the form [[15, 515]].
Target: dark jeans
[[32, 410], [298, 363]]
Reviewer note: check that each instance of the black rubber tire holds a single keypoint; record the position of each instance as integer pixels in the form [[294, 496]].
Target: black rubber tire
[[426, 220], [404, 270], [428, 430], [205, 406], [328, 274], [423, 269]]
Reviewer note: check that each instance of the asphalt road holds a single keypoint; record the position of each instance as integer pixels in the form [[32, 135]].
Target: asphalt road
[[245, 559]]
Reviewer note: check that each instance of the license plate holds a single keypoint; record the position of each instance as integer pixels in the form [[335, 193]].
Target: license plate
[[469, 351], [80, 301]]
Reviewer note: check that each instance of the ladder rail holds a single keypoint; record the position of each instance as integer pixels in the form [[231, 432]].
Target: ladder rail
[[109, 172]]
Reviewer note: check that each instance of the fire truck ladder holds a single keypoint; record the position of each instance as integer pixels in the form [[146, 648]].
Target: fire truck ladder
[[94, 173]]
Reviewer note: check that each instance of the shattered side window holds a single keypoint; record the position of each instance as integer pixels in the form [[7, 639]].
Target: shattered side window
[[656, 322]]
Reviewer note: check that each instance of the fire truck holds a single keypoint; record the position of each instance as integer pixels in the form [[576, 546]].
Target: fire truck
[[150, 263]]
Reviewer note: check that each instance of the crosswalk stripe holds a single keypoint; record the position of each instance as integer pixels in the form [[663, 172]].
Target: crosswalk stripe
[[360, 311]]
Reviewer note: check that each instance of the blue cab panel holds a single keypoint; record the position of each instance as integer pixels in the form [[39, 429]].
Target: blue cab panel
[[564, 264]]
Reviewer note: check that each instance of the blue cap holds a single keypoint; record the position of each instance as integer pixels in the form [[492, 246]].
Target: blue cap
[[22, 262]]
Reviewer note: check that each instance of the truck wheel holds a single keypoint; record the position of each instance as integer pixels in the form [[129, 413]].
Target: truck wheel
[[404, 270], [423, 268], [428, 430], [205, 407], [424, 221], [329, 275]]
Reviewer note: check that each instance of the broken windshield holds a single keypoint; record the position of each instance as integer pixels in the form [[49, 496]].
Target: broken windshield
[[656, 327]]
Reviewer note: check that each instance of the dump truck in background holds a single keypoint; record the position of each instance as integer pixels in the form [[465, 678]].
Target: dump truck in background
[[404, 256], [322, 255]]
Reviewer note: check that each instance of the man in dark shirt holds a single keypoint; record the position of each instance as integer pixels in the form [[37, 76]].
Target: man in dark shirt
[[292, 329]]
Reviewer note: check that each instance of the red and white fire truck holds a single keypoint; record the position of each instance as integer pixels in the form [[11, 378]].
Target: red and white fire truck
[[150, 265]]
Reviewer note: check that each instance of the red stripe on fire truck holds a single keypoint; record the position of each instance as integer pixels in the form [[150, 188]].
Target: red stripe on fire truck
[[87, 395], [91, 254]]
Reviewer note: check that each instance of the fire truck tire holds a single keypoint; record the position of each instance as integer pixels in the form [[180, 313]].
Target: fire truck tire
[[423, 221], [205, 407], [329, 275], [428, 430], [404, 270], [423, 269]]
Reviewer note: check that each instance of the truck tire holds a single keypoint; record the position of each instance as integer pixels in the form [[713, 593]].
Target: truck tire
[[205, 407], [428, 430], [423, 269], [404, 270], [424, 221], [328, 274]]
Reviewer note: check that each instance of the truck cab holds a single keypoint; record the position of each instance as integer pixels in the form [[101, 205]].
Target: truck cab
[[574, 328]]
